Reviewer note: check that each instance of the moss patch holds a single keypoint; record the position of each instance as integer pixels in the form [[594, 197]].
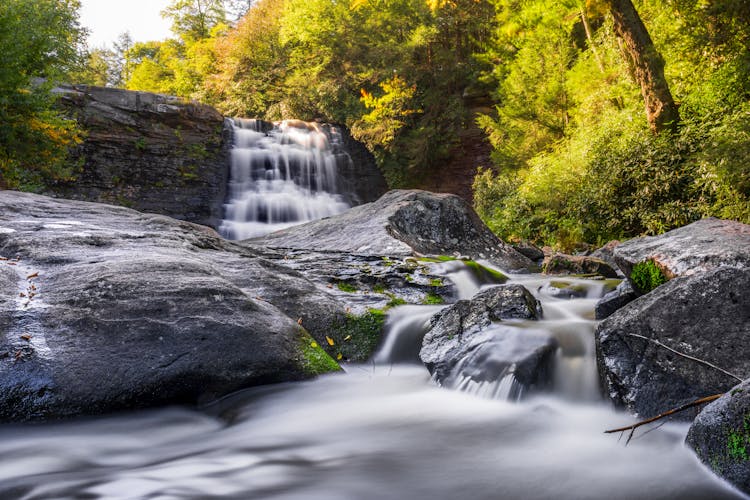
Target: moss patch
[[346, 287], [485, 274], [646, 276], [433, 299], [738, 442], [358, 337], [438, 258], [315, 361]]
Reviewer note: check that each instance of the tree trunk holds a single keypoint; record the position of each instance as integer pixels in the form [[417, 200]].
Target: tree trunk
[[647, 64]]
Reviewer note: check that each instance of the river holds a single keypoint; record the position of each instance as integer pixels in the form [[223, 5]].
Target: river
[[379, 431]]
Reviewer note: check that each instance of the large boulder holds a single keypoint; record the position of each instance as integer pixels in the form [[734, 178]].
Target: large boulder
[[104, 308], [698, 247], [401, 223], [468, 346], [676, 343], [720, 436]]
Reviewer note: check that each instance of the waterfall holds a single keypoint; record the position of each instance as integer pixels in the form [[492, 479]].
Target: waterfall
[[281, 175]]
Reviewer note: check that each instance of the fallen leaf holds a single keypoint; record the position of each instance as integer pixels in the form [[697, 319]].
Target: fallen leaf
[[22, 294], [348, 310], [18, 355], [299, 321], [31, 276], [313, 344], [339, 356], [347, 338], [26, 337], [329, 340]]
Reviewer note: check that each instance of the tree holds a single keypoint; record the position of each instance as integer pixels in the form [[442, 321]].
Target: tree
[[193, 19], [40, 42], [647, 65]]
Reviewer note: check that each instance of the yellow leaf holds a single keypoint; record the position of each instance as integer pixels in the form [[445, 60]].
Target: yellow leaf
[[348, 337], [339, 356], [329, 340], [313, 344]]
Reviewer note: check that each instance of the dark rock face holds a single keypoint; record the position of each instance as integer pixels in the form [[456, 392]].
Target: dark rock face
[[360, 179], [466, 342], [720, 436], [700, 246], [530, 251], [704, 316], [559, 263], [607, 253], [104, 308], [403, 223], [150, 152], [614, 300]]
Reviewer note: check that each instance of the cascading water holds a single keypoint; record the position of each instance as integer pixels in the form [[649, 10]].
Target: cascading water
[[280, 176], [379, 431]]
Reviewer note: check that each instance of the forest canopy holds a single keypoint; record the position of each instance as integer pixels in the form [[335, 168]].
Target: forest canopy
[[607, 118]]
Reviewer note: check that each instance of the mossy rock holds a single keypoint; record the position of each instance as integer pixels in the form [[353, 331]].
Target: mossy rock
[[646, 276], [357, 338], [315, 361]]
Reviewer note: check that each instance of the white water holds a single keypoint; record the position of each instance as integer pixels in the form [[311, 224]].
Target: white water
[[281, 178], [379, 431]]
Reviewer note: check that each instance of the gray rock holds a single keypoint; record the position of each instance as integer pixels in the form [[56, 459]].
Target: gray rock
[[700, 246], [467, 342], [704, 316], [614, 300], [607, 253], [125, 310], [403, 223], [151, 152], [559, 263], [529, 250], [720, 436]]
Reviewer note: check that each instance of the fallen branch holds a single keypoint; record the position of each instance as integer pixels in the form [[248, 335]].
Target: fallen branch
[[686, 356], [686, 406]]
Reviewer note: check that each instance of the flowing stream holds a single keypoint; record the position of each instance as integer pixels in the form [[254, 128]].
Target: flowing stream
[[280, 176], [381, 430]]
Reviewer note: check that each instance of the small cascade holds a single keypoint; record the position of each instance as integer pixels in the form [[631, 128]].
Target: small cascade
[[281, 175], [406, 326]]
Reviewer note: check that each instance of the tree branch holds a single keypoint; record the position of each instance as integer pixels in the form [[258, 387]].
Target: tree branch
[[686, 406]]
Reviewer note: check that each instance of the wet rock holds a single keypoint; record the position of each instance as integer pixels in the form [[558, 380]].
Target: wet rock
[[403, 223], [559, 263], [720, 436], [704, 316], [468, 344], [133, 310], [607, 254], [614, 300], [698, 247], [565, 290], [529, 250]]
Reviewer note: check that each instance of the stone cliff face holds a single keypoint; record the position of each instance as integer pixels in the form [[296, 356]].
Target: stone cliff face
[[151, 152]]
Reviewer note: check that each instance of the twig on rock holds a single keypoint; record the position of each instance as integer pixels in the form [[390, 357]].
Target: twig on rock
[[686, 406], [687, 356]]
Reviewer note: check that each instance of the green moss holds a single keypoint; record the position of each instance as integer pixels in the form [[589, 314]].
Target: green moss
[[346, 287], [646, 276], [140, 144], [738, 442], [315, 361], [395, 301], [436, 282], [379, 288], [358, 337], [438, 258], [485, 274], [432, 299]]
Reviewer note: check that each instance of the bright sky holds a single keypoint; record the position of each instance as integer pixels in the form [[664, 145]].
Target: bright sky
[[106, 19]]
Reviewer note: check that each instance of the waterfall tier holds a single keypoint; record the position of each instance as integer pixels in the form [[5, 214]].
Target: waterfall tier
[[281, 175]]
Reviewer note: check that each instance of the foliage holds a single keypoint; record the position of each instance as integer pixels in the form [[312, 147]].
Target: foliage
[[39, 45], [646, 276], [314, 359]]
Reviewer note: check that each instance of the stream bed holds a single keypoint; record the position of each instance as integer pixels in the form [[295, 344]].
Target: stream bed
[[381, 430]]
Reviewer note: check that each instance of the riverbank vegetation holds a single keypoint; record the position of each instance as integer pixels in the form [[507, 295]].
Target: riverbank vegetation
[[607, 119]]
